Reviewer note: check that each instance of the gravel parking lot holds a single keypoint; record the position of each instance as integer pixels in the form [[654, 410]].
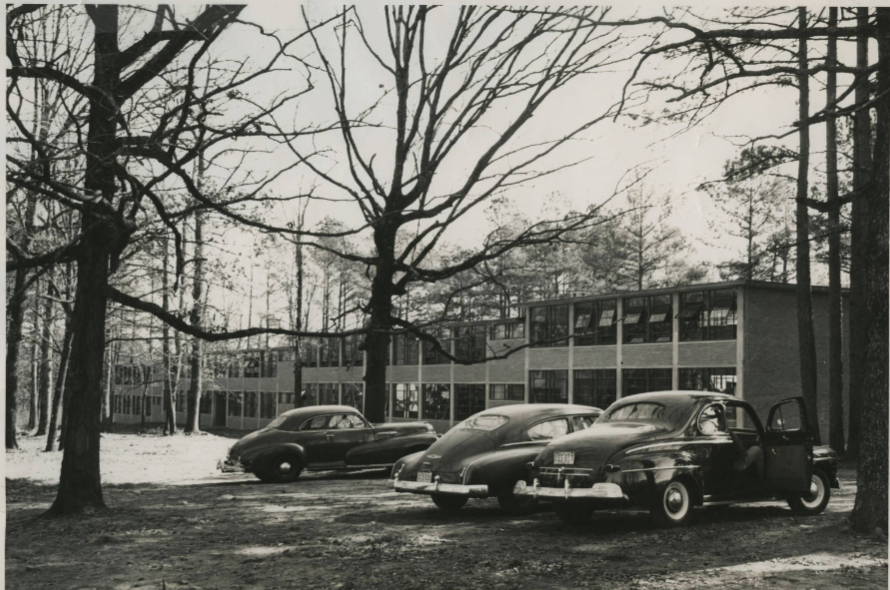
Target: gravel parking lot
[[173, 522]]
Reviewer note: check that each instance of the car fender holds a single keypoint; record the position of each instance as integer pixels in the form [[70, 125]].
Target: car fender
[[500, 469], [389, 450], [644, 476], [406, 462], [267, 452]]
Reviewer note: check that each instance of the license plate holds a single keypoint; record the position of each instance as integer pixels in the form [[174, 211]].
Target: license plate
[[564, 458], [425, 476]]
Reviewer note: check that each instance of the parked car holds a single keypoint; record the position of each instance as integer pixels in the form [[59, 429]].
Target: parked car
[[486, 454], [670, 451], [322, 438]]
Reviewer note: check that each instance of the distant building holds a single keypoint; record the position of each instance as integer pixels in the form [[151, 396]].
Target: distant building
[[737, 337]]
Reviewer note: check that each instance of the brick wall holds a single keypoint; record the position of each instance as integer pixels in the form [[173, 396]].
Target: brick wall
[[772, 364], [719, 353], [596, 357], [548, 358], [646, 356]]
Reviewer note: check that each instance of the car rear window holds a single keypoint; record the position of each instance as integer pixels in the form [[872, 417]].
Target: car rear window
[[487, 422], [640, 412]]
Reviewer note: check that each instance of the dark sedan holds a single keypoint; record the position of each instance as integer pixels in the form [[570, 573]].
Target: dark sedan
[[322, 438], [670, 451], [486, 454]]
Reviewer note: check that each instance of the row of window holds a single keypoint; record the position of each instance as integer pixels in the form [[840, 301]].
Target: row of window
[[592, 387], [469, 398], [598, 387], [703, 315]]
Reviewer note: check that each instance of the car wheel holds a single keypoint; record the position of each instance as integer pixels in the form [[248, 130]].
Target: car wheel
[[449, 503], [674, 505], [282, 469], [573, 512], [517, 506], [816, 501]]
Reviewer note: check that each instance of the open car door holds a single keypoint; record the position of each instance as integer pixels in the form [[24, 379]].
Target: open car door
[[788, 447]]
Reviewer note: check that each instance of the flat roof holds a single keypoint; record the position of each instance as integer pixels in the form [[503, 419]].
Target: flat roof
[[676, 289]]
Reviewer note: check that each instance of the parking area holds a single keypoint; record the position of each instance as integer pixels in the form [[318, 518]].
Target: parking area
[[173, 522]]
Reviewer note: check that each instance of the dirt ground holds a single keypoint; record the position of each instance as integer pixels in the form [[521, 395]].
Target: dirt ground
[[174, 522]]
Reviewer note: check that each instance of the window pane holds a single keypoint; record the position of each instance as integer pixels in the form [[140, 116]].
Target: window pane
[[549, 429], [436, 401]]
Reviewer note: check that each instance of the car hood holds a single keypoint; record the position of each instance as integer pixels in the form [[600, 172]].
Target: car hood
[[450, 452], [594, 446]]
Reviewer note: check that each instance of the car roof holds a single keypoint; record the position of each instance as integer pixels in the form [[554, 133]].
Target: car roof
[[519, 411], [310, 411], [679, 396]]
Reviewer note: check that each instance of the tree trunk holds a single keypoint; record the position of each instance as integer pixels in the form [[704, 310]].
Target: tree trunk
[[377, 339], [80, 487], [59, 387], [33, 408], [870, 507], [15, 312], [192, 420], [298, 347], [836, 438], [858, 248], [46, 362], [805, 338], [169, 401]]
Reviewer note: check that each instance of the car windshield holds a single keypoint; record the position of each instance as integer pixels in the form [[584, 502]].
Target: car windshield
[[488, 422], [639, 412]]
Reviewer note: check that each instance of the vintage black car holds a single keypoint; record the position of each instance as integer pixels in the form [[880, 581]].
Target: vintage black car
[[322, 438], [486, 454], [670, 451]]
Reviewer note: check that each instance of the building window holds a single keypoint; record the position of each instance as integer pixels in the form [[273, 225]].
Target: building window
[[329, 352], [595, 387], [549, 387], [512, 330], [286, 397], [643, 380], [405, 402], [506, 391], [550, 326], [269, 361], [470, 343], [721, 380], [352, 354], [252, 365], [595, 323], [180, 401], [353, 394], [432, 356], [235, 369], [309, 395], [205, 405], [250, 404], [436, 401], [404, 349], [310, 354], [469, 399], [137, 406], [708, 315], [234, 404], [328, 394], [126, 405], [648, 319], [267, 404]]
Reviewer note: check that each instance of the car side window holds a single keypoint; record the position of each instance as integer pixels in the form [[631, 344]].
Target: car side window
[[786, 417], [549, 429], [739, 418], [582, 422], [317, 423], [344, 421], [712, 420]]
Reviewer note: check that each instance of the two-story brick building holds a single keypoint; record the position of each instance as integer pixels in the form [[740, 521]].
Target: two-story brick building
[[737, 337]]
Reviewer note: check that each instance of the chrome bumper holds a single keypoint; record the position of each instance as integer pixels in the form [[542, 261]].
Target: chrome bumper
[[229, 466], [418, 487], [599, 491]]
